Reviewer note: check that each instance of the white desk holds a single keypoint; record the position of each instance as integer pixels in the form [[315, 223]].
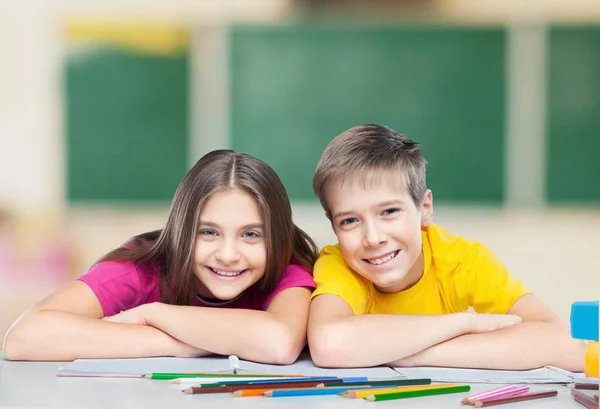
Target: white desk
[[34, 385]]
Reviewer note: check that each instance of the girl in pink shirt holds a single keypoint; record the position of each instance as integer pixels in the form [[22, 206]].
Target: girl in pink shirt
[[229, 274]]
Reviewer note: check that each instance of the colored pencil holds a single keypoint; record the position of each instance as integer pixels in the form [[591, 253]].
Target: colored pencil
[[267, 381], [194, 390], [584, 399], [362, 393], [505, 391], [361, 380], [391, 382], [313, 391], [170, 376], [212, 381], [586, 386], [417, 394], [518, 398]]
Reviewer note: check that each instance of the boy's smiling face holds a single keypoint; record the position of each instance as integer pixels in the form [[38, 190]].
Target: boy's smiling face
[[378, 227]]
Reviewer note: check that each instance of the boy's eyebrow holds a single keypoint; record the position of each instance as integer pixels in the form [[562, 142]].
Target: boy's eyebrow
[[380, 204], [246, 227]]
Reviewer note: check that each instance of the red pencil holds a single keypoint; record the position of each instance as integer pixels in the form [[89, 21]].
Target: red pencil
[[518, 398], [584, 399], [586, 386]]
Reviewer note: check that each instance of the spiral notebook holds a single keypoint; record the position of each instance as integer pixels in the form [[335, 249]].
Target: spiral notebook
[[136, 367], [546, 374]]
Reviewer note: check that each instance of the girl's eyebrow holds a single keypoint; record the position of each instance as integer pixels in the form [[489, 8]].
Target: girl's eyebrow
[[245, 227], [253, 226]]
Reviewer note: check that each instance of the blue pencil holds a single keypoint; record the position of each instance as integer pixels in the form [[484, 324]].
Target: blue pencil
[[317, 391]]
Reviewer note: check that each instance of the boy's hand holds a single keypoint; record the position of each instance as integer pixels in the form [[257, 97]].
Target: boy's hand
[[481, 323]]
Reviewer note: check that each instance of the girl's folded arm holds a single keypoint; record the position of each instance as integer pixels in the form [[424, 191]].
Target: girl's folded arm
[[275, 336], [67, 325]]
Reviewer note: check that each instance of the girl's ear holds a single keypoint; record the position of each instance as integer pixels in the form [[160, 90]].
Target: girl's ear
[[427, 209]]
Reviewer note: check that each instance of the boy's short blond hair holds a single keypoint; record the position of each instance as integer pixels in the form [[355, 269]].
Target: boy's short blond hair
[[366, 151]]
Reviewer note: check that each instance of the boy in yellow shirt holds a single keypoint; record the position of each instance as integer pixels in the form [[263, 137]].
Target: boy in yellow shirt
[[396, 288]]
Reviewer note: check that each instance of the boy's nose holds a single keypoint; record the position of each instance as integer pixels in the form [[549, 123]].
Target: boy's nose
[[374, 237]]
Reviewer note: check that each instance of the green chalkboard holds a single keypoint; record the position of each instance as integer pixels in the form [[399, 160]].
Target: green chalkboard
[[126, 125], [574, 115], [293, 88]]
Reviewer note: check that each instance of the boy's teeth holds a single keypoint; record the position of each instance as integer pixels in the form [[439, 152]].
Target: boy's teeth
[[383, 259]]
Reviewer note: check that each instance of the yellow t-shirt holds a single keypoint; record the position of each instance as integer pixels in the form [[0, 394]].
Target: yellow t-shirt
[[458, 274]]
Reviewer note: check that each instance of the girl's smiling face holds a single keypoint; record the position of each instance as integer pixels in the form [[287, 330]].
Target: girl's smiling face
[[230, 250]]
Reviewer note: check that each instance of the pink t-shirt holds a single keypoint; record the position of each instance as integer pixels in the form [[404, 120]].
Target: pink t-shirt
[[120, 286]]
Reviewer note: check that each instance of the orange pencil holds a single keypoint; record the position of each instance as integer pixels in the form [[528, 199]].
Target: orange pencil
[[250, 392]]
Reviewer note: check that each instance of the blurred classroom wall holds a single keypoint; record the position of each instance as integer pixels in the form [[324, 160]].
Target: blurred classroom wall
[[88, 157]]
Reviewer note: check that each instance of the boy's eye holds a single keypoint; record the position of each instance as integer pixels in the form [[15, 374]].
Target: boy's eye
[[348, 221], [390, 211], [251, 235], [208, 232]]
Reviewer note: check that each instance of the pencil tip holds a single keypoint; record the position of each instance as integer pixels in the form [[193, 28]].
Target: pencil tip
[[268, 394], [188, 391], [236, 393]]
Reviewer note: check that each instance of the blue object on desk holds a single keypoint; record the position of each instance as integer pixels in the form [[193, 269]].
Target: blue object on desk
[[584, 320]]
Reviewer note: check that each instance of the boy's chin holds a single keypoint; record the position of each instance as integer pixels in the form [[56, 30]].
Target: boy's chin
[[391, 285]]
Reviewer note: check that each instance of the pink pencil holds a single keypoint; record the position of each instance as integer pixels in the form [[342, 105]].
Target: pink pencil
[[503, 392]]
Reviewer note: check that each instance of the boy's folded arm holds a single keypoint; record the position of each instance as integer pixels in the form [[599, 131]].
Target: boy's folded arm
[[524, 346], [275, 336], [338, 338], [68, 325], [542, 339]]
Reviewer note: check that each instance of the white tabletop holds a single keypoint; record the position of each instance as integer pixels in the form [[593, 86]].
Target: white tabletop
[[35, 385]]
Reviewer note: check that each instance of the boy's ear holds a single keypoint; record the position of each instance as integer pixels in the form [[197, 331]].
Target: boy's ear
[[427, 209]]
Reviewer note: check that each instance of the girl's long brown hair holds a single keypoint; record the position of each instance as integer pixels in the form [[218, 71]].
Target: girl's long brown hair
[[171, 249]]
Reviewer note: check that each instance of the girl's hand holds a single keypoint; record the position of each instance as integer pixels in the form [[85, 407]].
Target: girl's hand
[[481, 323], [136, 315], [182, 350]]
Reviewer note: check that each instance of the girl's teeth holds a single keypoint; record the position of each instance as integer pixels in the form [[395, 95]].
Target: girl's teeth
[[383, 259], [228, 273]]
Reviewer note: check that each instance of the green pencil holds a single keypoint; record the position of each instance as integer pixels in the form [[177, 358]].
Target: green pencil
[[169, 376], [416, 394]]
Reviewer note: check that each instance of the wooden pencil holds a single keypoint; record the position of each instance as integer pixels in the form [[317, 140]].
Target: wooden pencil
[[195, 390], [586, 386], [518, 398], [584, 399], [391, 382], [172, 375], [584, 402], [361, 393], [418, 394]]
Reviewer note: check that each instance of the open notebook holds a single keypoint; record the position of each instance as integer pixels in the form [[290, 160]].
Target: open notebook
[[140, 366], [547, 374]]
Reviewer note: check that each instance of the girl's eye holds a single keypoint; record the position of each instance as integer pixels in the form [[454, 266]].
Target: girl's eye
[[251, 235], [348, 221], [390, 211], [208, 232]]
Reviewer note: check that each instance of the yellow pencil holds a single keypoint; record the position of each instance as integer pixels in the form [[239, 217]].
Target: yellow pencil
[[363, 393]]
